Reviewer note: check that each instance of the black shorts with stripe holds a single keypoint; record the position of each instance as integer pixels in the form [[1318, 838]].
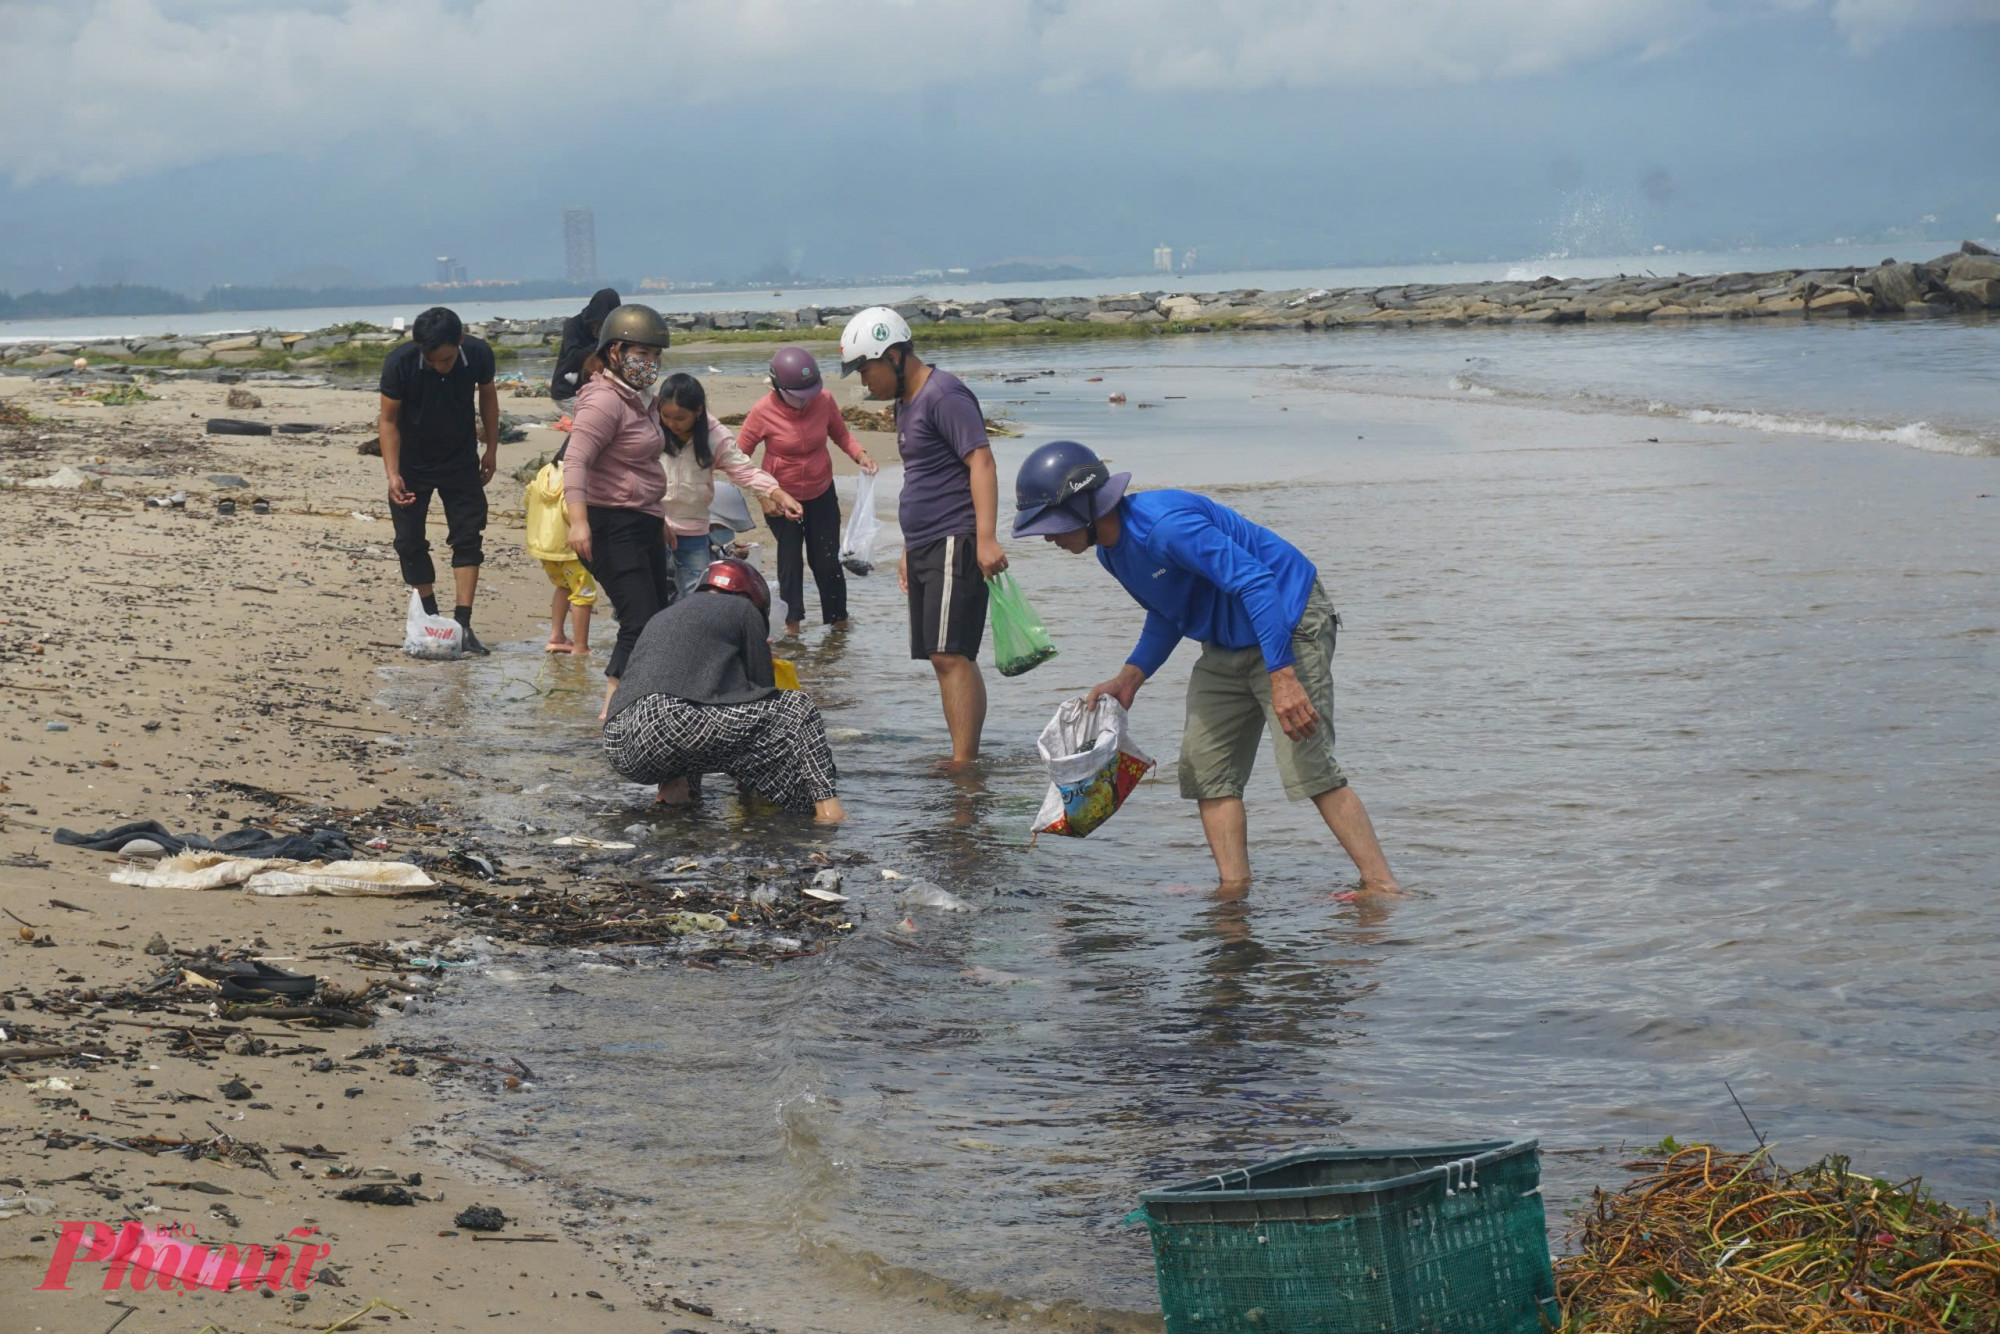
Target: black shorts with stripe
[[947, 599]]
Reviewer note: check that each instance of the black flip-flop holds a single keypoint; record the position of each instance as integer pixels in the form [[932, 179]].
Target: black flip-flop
[[263, 981]]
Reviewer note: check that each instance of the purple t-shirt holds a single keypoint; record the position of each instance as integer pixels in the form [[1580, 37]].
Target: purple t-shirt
[[936, 432]]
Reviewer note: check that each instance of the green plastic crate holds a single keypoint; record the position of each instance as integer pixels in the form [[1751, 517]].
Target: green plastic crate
[[1443, 1240]]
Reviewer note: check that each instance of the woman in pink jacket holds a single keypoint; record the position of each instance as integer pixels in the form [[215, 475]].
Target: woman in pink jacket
[[794, 423], [614, 481]]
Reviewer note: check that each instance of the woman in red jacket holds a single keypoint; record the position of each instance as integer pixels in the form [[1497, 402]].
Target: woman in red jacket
[[794, 422]]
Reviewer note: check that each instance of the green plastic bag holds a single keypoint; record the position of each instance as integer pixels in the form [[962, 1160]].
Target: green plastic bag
[[1020, 644]]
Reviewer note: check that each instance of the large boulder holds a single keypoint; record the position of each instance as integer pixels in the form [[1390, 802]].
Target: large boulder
[[1841, 301], [1179, 307], [1972, 268], [1894, 284], [1975, 293], [242, 344]]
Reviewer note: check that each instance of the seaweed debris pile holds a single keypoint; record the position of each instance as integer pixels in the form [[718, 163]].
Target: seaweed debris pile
[[706, 913], [1708, 1242]]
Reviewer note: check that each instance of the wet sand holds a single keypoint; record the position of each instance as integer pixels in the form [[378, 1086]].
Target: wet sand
[[179, 651]]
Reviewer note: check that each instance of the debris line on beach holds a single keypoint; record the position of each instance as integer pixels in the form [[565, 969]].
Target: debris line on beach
[[1707, 1242]]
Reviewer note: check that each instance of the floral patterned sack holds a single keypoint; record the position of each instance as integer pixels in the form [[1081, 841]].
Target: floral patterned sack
[[1093, 766]]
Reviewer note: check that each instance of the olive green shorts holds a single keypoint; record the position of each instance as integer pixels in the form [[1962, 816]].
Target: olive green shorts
[[1229, 704]]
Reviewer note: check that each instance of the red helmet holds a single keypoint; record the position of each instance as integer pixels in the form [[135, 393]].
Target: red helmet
[[730, 575]]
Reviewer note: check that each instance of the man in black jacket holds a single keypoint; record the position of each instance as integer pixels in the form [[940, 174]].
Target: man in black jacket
[[430, 443], [579, 340]]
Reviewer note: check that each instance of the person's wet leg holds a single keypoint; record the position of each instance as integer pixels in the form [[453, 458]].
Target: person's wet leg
[[559, 642], [822, 534], [963, 692], [1348, 819], [789, 536], [1227, 828]]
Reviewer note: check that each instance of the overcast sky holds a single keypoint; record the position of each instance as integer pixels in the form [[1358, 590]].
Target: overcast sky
[[187, 142]]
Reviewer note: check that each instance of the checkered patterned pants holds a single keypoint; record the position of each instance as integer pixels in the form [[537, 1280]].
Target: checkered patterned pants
[[775, 746]]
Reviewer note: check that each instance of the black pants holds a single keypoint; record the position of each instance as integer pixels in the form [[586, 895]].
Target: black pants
[[464, 501], [819, 533], [628, 558]]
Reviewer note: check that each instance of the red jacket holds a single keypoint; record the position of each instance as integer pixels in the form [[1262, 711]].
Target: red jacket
[[794, 441]]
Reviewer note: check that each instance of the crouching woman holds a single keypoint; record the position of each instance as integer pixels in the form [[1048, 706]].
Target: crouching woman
[[698, 697]]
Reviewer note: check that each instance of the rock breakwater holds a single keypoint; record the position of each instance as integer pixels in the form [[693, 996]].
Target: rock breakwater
[[1962, 281]]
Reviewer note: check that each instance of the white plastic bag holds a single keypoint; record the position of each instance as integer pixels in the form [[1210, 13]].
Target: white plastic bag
[[427, 636], [857, 544], [1093, 766], [341, 879]]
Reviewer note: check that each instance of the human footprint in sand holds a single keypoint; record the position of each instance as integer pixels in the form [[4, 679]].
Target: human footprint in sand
[[699, 695], [1266, 628]]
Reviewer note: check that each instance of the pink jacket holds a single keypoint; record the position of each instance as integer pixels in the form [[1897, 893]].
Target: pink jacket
[[794, 441], [614, 457], [690, 487]]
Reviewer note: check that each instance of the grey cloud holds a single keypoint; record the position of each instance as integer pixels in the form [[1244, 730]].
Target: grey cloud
[[100, 90]]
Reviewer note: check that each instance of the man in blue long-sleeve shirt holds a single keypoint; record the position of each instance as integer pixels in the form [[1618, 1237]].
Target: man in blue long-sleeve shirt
[[1204, 572]]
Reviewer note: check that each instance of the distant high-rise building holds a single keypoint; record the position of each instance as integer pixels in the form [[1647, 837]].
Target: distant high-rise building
[[1187, 260], [1163, 259], [579, 245], [449, 270]]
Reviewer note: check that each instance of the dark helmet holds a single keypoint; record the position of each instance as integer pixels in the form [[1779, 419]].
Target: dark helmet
[[730, 575], [794, 370], [633, 324], [1064, 486]]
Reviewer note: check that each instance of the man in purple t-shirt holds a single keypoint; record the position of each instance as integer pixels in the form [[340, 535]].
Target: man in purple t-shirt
[[950, 505]]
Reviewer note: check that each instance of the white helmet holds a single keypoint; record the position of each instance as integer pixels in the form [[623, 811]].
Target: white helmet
[[869, 334]]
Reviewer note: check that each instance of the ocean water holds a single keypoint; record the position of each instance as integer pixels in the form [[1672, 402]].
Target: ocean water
[[1561, 265], [1669, 676]]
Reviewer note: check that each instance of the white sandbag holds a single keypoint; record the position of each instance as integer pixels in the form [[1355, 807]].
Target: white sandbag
[[1093, 766], [195, 870], [426, 636], [857, 544], [340, 879]]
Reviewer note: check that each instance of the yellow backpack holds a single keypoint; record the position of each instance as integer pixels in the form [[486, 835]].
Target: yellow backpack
[[548, 520]]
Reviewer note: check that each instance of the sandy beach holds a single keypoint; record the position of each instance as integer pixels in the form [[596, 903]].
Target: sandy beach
[[183, 666]]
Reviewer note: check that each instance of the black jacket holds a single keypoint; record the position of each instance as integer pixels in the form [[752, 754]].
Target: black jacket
[[578, 342]]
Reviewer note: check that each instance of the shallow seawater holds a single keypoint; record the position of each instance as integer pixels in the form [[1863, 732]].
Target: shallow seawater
[[1684, 745]]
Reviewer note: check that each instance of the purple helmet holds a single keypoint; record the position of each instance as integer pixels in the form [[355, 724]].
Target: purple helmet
[[794, 374]]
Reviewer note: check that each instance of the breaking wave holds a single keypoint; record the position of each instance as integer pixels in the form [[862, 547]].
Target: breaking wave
[[1916, 435]]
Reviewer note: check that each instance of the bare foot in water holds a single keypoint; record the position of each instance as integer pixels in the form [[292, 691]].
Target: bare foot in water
[[579, 650], [673, 794], [1373, 892], [559, 646]]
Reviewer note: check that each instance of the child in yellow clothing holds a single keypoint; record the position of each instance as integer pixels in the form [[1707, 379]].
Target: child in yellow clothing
[[548, 542]]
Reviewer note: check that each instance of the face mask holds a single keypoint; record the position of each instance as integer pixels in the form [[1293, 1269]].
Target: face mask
[[639, 374], [796, 398]]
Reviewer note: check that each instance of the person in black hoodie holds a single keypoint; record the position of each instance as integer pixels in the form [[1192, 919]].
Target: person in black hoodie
[[579, 341]]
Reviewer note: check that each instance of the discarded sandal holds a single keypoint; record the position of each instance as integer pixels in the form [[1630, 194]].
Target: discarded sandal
[[248, 980]]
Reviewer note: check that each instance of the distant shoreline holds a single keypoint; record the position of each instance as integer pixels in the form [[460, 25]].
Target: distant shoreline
[[1963, 281]]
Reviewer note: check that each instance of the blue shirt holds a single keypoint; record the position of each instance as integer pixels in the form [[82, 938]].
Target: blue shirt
[[1202, 571]]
